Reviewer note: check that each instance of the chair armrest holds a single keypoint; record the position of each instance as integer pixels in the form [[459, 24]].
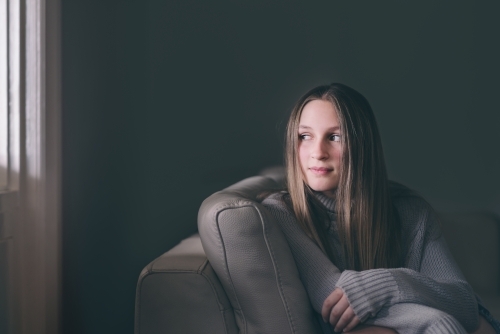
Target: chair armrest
[[179, 293], [253, 261]]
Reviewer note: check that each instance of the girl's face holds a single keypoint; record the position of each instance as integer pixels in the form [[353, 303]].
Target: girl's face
[[320, 149]]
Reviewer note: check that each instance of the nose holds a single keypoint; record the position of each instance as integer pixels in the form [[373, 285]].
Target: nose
[[319, 151]]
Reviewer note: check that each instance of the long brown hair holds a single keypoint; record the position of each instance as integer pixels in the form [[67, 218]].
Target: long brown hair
[[367, 222]]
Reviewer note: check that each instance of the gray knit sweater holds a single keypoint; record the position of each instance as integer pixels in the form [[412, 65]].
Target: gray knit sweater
[[428, 295]]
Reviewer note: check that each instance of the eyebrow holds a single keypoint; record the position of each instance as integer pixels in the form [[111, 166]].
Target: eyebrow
[[335, 128]]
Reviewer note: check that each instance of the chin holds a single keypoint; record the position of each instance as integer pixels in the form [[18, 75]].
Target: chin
[[323, 187]]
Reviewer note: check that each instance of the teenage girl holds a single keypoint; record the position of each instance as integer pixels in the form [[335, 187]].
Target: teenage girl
[[370, 252]]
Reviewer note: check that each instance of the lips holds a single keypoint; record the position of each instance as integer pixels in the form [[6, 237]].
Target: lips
[[320, 170]]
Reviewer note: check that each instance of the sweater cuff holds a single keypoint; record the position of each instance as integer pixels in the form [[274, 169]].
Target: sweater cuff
[[368, 291]]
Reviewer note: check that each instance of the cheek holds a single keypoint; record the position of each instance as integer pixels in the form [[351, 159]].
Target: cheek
[[337, 156], [337, 153], [303, 156]]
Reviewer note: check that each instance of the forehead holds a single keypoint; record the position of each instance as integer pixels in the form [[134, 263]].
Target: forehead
[[319, 114]]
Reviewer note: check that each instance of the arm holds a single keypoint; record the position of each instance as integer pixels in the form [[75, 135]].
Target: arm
[[318, 274], [432, 279]]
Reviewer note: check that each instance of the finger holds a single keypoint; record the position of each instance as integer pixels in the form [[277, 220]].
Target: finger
[[345, 319], [338, 310], [330, 302], [354, 322]]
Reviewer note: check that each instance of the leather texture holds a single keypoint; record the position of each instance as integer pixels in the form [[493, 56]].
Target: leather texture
[[180, 293], [250, 255]]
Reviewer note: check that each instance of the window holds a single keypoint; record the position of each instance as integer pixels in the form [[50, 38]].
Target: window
[[4, 93], [30, 229]]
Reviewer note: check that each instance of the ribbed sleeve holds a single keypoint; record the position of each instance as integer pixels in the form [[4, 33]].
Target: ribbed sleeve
[[446, 325], [411, 318], [369, 291]]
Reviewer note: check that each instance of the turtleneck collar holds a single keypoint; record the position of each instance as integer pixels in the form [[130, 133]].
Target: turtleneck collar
[[327, 201]]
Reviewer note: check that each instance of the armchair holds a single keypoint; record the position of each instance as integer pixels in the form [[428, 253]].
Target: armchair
[[257, 288]]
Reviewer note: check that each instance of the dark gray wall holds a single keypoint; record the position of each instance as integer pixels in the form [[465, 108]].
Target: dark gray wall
[[165, 102]]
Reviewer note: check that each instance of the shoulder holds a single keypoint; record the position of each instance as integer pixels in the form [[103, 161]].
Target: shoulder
[[279, 205], [278, 200], [407, 200], [416, 214]]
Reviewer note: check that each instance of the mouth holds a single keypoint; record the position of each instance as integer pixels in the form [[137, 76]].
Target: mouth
[[320, 170]]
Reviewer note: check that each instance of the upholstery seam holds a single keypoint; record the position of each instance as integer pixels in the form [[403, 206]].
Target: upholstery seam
[[222, 309], [203, 265], [218, 210], [232, 205], [214, 290], [277, 271], [175, 271], [244, 204], [139, 302], [226, 265]]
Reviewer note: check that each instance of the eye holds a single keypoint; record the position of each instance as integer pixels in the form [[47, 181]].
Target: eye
[[304, 136], [334, 138]]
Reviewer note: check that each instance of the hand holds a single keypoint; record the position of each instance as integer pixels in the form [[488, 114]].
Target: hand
[[338, 312]]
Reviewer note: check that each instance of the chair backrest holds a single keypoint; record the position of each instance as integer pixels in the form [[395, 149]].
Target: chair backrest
[[250, 255]]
